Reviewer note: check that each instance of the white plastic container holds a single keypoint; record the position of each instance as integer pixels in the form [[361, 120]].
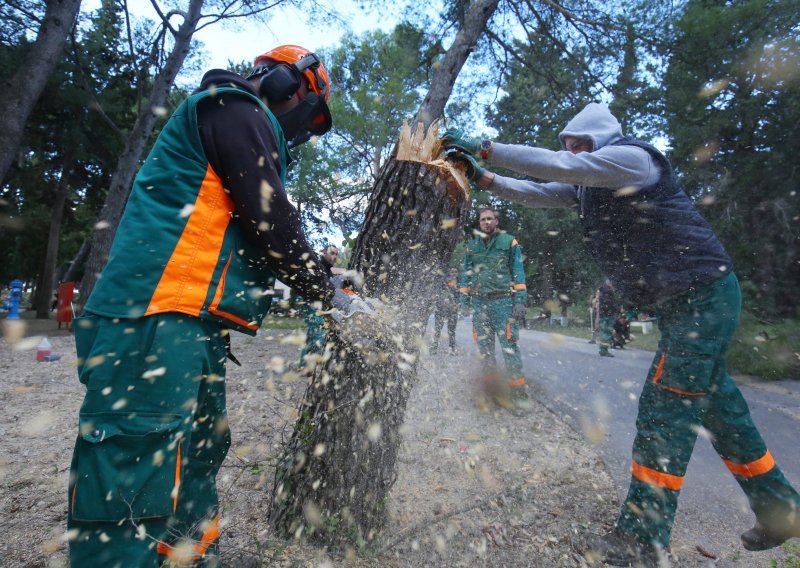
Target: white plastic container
[[43, 350]]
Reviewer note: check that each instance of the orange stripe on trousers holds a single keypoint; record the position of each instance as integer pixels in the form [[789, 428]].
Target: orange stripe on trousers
[[758, 467], [653, 477]]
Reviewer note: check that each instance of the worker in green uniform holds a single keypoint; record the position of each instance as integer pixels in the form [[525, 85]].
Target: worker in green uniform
[[207, 228], [651, 242], [315, 322], [493, 280], [607, 309]]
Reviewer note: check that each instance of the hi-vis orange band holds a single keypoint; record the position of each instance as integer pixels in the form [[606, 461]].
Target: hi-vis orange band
[[520, 287], [520, 382], [184, 283], [758, 467], [653, 477]]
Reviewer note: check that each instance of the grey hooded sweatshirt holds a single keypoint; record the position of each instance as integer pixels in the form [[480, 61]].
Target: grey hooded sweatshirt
[[613, 167], [640, 227]]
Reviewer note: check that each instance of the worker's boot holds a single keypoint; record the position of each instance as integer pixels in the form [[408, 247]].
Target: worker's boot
[[520, 400], [619, 549], [761, 537]]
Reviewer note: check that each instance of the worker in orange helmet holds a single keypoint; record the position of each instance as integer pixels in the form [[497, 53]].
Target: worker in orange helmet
[[207, 229]]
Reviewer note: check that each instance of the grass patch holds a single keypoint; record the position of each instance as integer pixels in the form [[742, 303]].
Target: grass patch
[[765, 350], [273, 321]]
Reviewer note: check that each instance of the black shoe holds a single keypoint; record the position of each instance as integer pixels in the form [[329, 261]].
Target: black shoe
[[605, 354], [762, 538], [619, 549], [592, 341]]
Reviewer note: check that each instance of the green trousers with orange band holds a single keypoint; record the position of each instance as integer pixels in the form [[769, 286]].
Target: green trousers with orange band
[[689, 387], [153, 433], [492, 318]]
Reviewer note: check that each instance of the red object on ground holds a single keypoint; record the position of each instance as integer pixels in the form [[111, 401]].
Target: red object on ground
[[66, 291]]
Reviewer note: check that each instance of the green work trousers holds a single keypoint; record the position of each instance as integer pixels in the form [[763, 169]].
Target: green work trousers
[[490, 318], [605, 333], [153, 432], [315, 334], [688, 387]]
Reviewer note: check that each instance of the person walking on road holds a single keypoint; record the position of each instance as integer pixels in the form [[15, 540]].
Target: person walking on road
[[493, 280], [206, 230], [650, 241], [447, 307], [607, 311]]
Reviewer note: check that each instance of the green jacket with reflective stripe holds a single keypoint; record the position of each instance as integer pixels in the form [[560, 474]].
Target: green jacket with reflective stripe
[[494, 268], [178, 247]]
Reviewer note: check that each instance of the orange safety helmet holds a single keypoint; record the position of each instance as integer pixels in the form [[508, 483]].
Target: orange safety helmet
[[303, 61]]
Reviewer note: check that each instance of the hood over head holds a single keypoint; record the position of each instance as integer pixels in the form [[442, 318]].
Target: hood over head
[[596, 123], [223, 78]]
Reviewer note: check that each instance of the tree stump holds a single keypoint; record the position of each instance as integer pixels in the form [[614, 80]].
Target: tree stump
[[339, 466]]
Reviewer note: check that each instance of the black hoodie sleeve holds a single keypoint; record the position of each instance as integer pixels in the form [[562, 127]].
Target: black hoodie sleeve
[[241, 147]]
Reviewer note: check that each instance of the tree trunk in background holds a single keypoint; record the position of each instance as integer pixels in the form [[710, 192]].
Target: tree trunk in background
[[22, 90], [44, 291], [339, 466], [128, 163]]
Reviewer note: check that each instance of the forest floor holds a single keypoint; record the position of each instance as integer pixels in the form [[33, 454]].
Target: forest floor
[[476, 486]]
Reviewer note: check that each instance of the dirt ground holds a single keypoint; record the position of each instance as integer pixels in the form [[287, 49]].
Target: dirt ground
[[475, 487]]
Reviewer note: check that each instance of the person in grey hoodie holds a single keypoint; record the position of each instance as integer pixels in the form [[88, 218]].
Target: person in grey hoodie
[[658, 251]]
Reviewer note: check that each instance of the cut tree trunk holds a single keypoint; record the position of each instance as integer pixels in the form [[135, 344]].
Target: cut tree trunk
[[339, 465]]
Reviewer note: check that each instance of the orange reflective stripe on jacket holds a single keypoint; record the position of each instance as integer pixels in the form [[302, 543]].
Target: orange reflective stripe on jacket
[[653, 477], [520, 287], [214, 307], [184, 283], [762, 465], [518, 382]]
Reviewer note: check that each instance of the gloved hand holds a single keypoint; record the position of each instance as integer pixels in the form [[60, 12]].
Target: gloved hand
[[474, 171], [345, 305], [518, 312], [454, 138]]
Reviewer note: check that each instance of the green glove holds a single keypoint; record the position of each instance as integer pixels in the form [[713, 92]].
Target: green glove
[[456, 139], [473, 171]]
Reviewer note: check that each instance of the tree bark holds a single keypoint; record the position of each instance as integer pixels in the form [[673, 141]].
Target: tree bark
[[23, 89], [339, 465], [432, 107], [44, 292], [135, 143]]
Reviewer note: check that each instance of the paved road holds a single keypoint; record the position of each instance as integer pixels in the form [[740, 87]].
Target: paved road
[[600, 396]]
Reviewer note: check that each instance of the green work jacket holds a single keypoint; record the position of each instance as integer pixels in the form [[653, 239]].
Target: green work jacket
[[178, 247], [493, 269]]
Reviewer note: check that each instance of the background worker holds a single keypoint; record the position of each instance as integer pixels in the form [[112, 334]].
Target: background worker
[[153, 427], [606, 307], [493, 280], [315, 322], [674, 262], [622, 330], [447, 306]]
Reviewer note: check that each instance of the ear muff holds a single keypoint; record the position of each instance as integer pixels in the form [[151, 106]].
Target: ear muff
[[277, 83]]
